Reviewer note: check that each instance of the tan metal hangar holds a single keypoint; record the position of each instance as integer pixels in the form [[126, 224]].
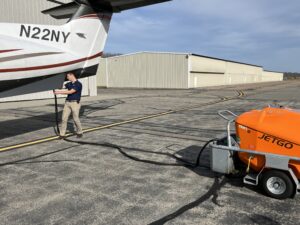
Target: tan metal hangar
[[177, 70]]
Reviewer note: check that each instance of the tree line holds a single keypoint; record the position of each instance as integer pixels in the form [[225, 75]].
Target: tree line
[[291, 76]]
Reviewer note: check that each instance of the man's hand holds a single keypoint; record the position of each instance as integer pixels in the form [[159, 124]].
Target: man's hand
[[56, 92], [64, 92]]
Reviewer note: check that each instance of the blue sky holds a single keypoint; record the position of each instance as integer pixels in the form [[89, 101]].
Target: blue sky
[[261, 32]]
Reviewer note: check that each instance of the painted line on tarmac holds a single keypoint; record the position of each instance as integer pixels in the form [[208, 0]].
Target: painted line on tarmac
[[92, 129]]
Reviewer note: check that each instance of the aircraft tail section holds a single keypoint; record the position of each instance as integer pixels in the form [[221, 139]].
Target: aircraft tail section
[[35, 53], [86, 31]]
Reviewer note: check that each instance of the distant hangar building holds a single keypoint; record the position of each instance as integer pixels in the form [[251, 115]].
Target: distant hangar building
[[178, 71]]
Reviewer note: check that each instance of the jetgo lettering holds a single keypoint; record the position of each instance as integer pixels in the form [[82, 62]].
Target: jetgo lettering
[[277, 141], [44, 34]]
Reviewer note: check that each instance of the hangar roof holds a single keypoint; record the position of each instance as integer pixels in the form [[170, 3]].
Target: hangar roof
[[190, 54]]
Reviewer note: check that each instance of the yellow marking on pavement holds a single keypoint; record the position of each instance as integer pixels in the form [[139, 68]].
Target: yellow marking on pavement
[[91, 129], [25, 144]]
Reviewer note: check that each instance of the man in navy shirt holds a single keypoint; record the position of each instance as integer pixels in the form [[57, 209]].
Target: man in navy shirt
[[72, 105]]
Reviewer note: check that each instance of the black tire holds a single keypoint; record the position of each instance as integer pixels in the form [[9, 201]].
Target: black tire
[[277, 184]]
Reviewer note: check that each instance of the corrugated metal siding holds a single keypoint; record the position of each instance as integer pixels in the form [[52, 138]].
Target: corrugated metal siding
[[236, 68], [171, 70], [92, 87], [49, 94], [271, 76], [206, 72], [146, 70], [201, 64], [242, 74], [206, 80], [102, 73], [29, 11]]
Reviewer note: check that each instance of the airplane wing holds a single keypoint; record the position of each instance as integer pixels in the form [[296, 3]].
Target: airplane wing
[[64, 11], [121, 5]]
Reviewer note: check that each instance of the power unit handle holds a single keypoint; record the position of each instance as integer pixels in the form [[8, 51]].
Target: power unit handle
[[223, 113]]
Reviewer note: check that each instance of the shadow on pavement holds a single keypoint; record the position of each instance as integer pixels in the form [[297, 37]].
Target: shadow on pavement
[[11, 128]]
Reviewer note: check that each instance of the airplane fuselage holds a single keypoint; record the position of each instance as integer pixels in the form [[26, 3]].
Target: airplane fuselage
[[35, 32]]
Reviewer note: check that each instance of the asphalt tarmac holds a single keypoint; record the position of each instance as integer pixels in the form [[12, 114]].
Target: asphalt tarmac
[[89, 181]]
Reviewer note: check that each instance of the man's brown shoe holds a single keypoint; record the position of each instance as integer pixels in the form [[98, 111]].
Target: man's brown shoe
[[62, 137]]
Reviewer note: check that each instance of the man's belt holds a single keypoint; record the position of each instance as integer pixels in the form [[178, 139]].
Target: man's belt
[[78, 101]]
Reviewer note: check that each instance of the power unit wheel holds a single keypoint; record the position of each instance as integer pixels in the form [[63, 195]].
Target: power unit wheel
[[277, 184]]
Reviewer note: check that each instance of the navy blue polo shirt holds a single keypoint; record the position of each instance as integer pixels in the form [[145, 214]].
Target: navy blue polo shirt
[[77, 86]]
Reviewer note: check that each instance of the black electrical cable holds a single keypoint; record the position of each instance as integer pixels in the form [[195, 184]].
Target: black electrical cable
[[56, 114], [120, 149], [202, 149]]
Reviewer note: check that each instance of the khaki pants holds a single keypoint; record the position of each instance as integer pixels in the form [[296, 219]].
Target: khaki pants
[[71, 107]]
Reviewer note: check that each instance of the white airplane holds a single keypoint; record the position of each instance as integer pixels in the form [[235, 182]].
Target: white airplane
[[35, 58]]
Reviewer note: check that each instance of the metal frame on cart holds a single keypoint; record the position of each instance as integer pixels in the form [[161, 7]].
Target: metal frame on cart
[[272, 161]]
